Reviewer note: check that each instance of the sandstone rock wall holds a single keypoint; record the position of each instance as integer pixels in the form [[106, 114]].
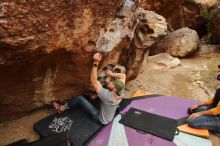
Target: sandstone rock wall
[[46, 48], [178, 13]]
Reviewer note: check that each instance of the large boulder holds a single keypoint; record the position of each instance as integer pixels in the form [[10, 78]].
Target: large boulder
[[46, 47], [46, 50], [180, 43], [141, 29], [178, 13], [151, 28], [162, 60], [214, 26]]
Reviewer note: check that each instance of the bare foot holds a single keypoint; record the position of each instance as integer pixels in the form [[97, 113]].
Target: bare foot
[[60, 108], [63, 108]]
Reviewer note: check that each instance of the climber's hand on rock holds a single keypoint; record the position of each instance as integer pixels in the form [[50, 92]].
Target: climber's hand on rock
[[97, 57]]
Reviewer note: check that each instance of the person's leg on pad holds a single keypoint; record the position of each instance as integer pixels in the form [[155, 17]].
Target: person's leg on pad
[[81, 101], [211, 123], [201, 108]]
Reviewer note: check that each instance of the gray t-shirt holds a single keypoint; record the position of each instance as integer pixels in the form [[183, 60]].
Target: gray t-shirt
[[108, 105]]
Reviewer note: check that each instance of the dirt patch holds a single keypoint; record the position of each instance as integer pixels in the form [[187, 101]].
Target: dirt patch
[[22, 128]]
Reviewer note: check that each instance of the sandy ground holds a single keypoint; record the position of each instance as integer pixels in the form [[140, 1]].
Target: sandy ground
[[195, 78]]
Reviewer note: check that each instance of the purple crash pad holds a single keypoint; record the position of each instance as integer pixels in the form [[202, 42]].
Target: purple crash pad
[[101, 139], [167, 106], [138, 139], [133, 138]]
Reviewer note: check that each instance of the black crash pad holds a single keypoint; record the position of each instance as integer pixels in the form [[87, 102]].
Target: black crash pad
[[150, 123], [60, 139], [76, 122]]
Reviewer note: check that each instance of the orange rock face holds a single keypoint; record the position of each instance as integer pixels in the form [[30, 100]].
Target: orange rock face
[[46, 46], [46, 49], [178, 13]]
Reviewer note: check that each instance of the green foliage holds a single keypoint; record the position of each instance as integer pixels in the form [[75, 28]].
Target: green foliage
[[206, 14]]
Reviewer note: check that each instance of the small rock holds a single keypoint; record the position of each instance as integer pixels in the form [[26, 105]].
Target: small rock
[[163, 60]]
